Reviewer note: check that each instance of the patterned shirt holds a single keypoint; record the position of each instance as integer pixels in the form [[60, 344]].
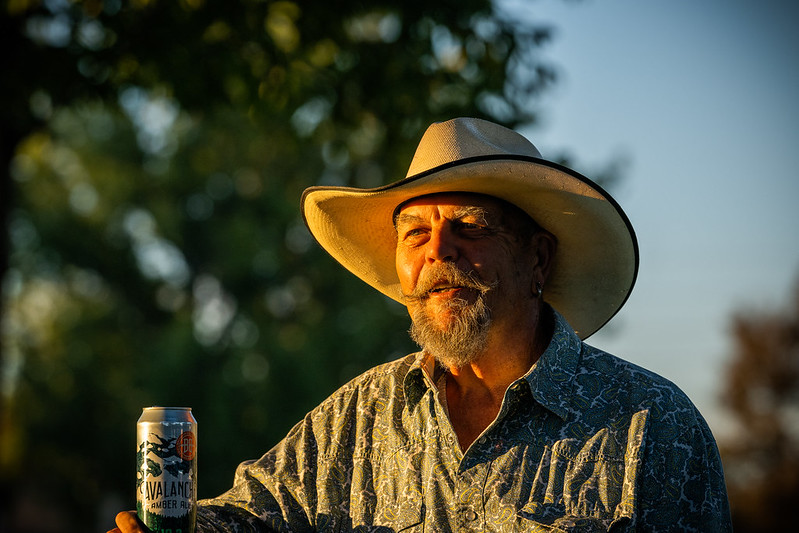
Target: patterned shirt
[[584, 441]]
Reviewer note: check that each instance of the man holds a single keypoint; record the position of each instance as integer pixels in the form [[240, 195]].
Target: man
[[505, 420]]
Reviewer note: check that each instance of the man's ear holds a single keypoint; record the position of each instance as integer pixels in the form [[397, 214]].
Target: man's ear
[[545, 245]]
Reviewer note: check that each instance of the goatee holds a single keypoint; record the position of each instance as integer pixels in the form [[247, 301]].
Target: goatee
[[463, 337]]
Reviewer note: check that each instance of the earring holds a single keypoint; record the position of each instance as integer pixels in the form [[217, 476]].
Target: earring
[[539, 288]]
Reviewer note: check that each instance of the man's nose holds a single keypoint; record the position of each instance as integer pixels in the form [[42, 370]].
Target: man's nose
[[442, 246]]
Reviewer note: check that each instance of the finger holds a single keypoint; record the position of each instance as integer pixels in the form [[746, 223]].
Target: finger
[[127, 522]]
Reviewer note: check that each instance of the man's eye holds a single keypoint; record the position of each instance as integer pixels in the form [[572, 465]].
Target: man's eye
[[414, 233], [473, 227]]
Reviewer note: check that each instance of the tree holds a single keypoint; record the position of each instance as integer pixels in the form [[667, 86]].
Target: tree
[[762, 392], [156, 152]]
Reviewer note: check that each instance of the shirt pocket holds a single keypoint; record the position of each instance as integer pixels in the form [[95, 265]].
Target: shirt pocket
[[396, 485], [405, 516], [585, 479], [411, 521], [587, 484]]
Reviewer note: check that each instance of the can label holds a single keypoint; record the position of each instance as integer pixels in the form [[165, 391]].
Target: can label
[[166, 476]]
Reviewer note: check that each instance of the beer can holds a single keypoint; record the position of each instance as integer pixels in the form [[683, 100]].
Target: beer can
[[166, 476]]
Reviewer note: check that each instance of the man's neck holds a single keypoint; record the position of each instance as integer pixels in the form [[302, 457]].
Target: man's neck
[[475, 392]]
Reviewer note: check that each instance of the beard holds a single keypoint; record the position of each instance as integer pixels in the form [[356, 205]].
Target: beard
[[464, 333]]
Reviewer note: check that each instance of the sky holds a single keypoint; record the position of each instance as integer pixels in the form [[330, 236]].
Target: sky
[[701, 97]]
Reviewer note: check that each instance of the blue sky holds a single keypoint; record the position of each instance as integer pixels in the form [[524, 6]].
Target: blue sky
[[702, 98]]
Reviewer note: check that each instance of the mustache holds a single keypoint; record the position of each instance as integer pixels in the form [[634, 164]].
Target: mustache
[[447, 274]]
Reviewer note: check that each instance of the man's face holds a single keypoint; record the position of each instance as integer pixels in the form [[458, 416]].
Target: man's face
[[462, 267]]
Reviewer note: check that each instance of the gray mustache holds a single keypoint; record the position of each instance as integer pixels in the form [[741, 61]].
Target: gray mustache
[[447, 274]]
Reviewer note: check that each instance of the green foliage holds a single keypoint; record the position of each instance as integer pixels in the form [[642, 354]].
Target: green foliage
[[157, 153]]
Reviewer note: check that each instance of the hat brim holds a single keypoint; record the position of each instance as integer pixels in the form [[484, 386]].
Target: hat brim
[[596, 262]]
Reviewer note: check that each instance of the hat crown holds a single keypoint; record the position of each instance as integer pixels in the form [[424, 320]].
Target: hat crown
[[463, 138]]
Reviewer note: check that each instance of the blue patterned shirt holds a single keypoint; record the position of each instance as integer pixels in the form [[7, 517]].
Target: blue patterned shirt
[[584, 441]]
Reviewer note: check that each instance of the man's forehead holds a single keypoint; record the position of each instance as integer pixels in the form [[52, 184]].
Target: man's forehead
[[463, 204]]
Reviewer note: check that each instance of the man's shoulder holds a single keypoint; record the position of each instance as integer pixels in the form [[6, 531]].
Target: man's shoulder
[[389, 371], [639, 388], [382, 381], [615, 368], [597, 371]]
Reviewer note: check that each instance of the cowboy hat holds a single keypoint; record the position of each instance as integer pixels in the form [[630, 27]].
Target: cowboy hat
[[596, 262]]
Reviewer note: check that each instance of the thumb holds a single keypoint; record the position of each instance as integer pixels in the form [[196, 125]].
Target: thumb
[[128, 522]]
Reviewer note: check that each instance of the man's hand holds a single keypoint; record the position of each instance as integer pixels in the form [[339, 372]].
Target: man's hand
[[128, 522]]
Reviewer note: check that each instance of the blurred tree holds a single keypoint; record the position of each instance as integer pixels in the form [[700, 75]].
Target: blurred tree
[[156, 152], [762, 392]]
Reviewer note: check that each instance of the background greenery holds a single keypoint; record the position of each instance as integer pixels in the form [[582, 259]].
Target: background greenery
[[156, 153], [153, 154]]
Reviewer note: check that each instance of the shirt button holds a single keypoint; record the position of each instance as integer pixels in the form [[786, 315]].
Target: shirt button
[[470, 515]]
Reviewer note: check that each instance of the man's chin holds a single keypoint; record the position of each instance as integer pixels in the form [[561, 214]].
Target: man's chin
[[443, 321], [448, 308]]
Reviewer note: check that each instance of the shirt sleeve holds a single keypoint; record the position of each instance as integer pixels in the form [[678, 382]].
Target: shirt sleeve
[[273, 493], [683, 485]]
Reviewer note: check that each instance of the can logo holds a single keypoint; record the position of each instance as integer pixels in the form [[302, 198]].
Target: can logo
[[186, 446]]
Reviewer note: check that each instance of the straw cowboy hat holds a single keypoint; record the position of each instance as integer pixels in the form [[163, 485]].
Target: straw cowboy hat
[[596, 261]]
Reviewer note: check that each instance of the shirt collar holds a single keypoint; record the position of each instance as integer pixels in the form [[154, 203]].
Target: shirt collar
[[421, 376], [551, 378]]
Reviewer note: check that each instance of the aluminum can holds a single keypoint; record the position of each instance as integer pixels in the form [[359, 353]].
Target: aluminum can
[[166, 475]]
